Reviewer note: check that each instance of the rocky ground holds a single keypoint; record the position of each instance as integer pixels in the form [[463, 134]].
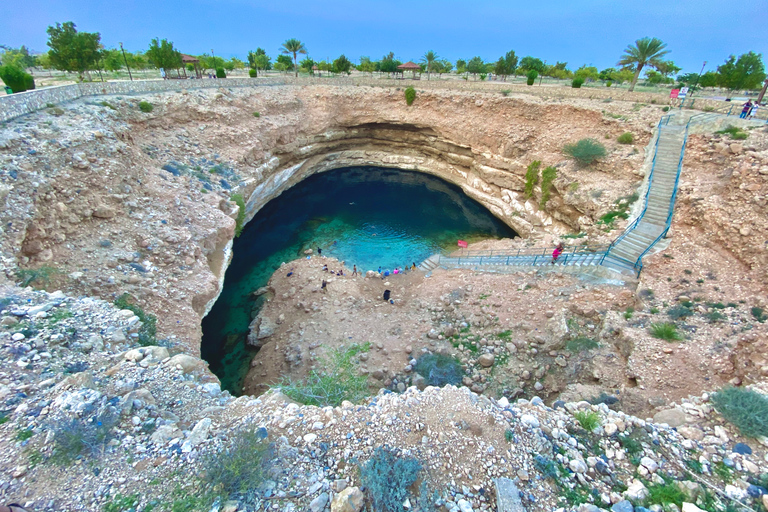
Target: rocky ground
[[102, 200]]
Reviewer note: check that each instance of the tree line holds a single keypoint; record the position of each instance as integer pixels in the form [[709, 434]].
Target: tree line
[[82, 53]]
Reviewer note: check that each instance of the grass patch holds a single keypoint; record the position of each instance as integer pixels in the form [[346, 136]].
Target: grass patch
[[745, 408], [722, 471], [580, 344], [256, 114], [108, 105], [336, 382], [578, 235], [665, 494], [236, 471], [585, 151], [4, 419], [548, 177], [387, 477], [24, 434], [148, 329], [734, 132], [678, 312], [120, 503], [146, 107], [665, 331], [505, 92], [759, 314], [625, 138], [714, 316], [439, 369], [631, 445], [628, 313], [509, 435], [40, 276], [589, 420], [240, 220], [619, 210], [77, 437]]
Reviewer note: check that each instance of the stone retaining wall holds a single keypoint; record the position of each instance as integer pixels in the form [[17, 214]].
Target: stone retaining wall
[[16, 105]]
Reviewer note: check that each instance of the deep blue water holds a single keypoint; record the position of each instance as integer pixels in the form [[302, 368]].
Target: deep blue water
[[375, 216]]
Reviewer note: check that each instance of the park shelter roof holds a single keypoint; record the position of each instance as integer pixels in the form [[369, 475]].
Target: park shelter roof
[[188, 58], [409, 66]]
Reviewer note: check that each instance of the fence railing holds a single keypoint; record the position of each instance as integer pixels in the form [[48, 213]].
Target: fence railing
[[527, 255]]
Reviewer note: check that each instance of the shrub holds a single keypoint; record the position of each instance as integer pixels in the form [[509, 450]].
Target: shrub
[[16, 78], [410, 95], [76, 437], [338, 381], [256, 114], [589, 420], [531, 177], [221, 73], [120, 503], [665, 109], [439, 369], [387, 477], [745, 408], [586, 151], [238, 469], [628, 313], [148, 329], [577, 82], [24, 434], [238, 200], [505, 92], [608, 83], [146, 107], [631, 444], [665, 331], [532, 75], [759, 314], [625, 138], [548, 177], [509, 435], [580, 344], [253, 73], [678, 312], [714, 316]]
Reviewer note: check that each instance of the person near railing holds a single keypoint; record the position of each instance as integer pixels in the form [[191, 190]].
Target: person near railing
[[746, 109], [753, 111], [557, 252]]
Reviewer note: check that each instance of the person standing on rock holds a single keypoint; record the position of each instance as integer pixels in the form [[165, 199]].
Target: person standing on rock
[[323, 286], [354, 270], [319, 251]]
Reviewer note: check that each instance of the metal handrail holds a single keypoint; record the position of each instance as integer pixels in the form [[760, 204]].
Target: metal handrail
[[529, 251]]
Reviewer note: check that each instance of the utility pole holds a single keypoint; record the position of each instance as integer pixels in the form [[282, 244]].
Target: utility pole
[[698, 77], [214, 64], [126, 62]]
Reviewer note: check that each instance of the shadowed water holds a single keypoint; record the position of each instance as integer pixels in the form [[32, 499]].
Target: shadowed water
[[365, 216]]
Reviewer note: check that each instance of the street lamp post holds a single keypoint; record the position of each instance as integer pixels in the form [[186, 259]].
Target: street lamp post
[[697, 78], [214, 64], [542, 73], [126, 62]]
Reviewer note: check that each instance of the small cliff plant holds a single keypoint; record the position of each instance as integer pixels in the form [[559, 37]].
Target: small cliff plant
[[240, 220], [146, 107], [625, 138], [410, 95], [577, 82], [548, 177], [531, 178], [745, 408]]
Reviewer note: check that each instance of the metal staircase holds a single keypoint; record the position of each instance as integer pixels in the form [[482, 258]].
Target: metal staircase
[[625, 254]]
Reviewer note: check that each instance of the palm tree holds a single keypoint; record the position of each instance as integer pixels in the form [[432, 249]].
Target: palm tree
[[429, 58], [646, 51], [293, 47]]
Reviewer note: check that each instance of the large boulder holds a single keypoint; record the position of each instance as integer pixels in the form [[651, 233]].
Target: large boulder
[[348, 500], [261, 328], [672, 417], [186, 363]]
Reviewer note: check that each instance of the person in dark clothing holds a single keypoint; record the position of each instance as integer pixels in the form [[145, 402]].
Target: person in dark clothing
[[319, 251], [323, 286], [354, 270], [387, 294]]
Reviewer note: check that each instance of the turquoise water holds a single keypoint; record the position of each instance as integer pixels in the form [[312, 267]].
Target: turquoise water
[[365, 216]]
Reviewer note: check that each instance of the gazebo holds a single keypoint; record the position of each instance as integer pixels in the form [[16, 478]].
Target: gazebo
[[410, 66], [188, 59]]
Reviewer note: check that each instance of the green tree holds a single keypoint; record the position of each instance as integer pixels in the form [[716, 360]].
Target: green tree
[[112, 60], [342, 65], [607, 74], [531, 64], [476, 66], [709, 79], [72, 50], [163, 55], [500, 68], [366, 65], [461, 66], [429, 59], [645, 52], [18, 57], [236, 63], [284, 63], [511, 60], [446, 66], [306, 64], [389, 64], [294, 47], [587, 73], [746, 72], [667, 68]]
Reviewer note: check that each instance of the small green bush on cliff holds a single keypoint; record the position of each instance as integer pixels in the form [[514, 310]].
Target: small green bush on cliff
[[625, 138], [221, 73], [586, 151], [146, 107], [388, 476], [336, 380], [236, 471], [240, 202], [253, 73], [40, 276], [410, 95], [548, 177], [531, 178], [745, 408], [577, 82], [16, 78], [148, 328]]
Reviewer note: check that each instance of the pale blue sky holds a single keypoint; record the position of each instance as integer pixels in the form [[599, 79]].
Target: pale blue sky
[[580, 32]]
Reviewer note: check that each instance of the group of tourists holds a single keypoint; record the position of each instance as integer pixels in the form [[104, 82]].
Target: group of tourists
[[749, 109]]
